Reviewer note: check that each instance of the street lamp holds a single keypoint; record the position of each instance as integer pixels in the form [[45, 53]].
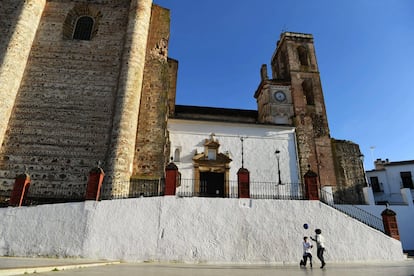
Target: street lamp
[[277, 152]]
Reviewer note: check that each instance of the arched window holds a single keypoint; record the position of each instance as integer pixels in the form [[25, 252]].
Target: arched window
[[307, 88], [81, 23], [303, 56], [83, 28]]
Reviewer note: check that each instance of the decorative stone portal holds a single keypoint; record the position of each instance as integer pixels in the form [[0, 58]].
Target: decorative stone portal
[[211, 170]]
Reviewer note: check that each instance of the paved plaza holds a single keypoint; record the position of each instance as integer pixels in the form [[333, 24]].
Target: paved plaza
[[62, 267]]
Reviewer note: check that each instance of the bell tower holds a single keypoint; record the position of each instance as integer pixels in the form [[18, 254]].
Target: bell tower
[[296, 89]]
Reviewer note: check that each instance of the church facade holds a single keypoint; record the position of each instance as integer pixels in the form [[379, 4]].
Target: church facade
[[84, 83]]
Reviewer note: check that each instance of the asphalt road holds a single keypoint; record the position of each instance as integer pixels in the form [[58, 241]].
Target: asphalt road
[[405, 268]]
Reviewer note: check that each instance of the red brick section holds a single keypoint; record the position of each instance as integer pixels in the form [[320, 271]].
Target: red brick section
[[95, 180], [311, 185], [20, 189], [389, 219], [314, 143], [171, 179], [243, 181]]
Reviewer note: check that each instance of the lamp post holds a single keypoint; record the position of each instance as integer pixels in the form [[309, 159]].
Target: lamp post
[[277, 152]]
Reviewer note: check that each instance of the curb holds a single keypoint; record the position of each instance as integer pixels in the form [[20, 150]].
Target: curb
[[28, 270]]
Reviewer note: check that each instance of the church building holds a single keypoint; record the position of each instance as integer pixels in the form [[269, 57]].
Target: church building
[[89, 83]]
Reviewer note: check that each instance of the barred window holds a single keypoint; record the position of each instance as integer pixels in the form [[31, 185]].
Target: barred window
[[83, 29], [407, 180], [376, 188]]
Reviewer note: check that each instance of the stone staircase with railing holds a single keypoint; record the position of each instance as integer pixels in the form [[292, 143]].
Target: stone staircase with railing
[[352, 211]]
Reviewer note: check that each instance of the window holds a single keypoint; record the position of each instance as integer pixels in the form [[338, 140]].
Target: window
[[307, 88], [303, 56], [407, 180], [212, 154], [81, 22], [376, 188], [177, 155], [83, 28]]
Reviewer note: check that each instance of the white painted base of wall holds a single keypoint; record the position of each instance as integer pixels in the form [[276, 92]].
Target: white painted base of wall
[[190, 230]]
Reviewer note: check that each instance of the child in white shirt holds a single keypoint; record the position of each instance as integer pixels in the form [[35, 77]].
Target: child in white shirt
[[307, 247]]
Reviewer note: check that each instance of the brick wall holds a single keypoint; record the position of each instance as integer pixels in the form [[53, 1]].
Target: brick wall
[[348, 163], [18, 24], [60, 126], [310, 120], [150, 150]]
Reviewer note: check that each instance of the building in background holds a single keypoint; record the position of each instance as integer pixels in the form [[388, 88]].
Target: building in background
[[391, 180]]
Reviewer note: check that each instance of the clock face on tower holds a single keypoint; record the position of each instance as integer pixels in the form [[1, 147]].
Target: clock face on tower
[[279, 96]]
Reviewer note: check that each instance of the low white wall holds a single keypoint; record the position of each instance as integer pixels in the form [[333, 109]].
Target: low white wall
[[192, 230], [405, 216]]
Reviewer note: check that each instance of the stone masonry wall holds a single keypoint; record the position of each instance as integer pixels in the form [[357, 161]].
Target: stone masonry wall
[[18, 24], [62, 117], [350, 171], [127, 103], [150, 149], [314, 144]]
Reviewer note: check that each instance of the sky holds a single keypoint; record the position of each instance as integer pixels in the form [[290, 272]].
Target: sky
[[364, 48]]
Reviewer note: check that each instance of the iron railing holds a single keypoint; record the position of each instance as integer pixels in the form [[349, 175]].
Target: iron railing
[[258, 190], [139, 188], [352, 211]]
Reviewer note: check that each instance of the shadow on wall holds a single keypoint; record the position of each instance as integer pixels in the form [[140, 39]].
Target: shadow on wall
[[9, 13]]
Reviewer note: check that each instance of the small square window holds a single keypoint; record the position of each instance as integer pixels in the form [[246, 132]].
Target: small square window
[[212, 154]]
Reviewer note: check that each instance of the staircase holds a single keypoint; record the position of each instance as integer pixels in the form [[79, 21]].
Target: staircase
[[353, 211]]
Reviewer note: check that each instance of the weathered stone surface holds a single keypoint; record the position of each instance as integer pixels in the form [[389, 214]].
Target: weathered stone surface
[[150, 150], [64, 97]]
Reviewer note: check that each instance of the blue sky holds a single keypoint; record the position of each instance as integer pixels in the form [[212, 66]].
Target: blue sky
[[365, 52]]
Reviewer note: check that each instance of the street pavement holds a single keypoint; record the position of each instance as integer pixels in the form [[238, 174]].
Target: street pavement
[[19, 266], [80, 267]]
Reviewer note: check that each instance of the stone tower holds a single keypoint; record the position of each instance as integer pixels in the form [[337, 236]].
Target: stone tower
[[73, 75], [293, 96]]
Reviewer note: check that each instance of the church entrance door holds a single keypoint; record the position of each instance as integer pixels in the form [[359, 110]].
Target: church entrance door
[[211, 184]]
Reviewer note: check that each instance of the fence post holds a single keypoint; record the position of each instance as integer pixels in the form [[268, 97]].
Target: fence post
[[311, 185], [93, 189], [389, 219], [171, 179], [20, 190], [243, 183], [327, 195]]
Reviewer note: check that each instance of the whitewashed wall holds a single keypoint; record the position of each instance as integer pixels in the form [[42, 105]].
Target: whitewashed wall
[[190, 230], [390, 181], [260, 144], [405, 216]]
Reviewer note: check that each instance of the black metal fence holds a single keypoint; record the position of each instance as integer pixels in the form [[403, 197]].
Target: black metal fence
[[139, 188], [352, 211], [38, 195], [258, 190]]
